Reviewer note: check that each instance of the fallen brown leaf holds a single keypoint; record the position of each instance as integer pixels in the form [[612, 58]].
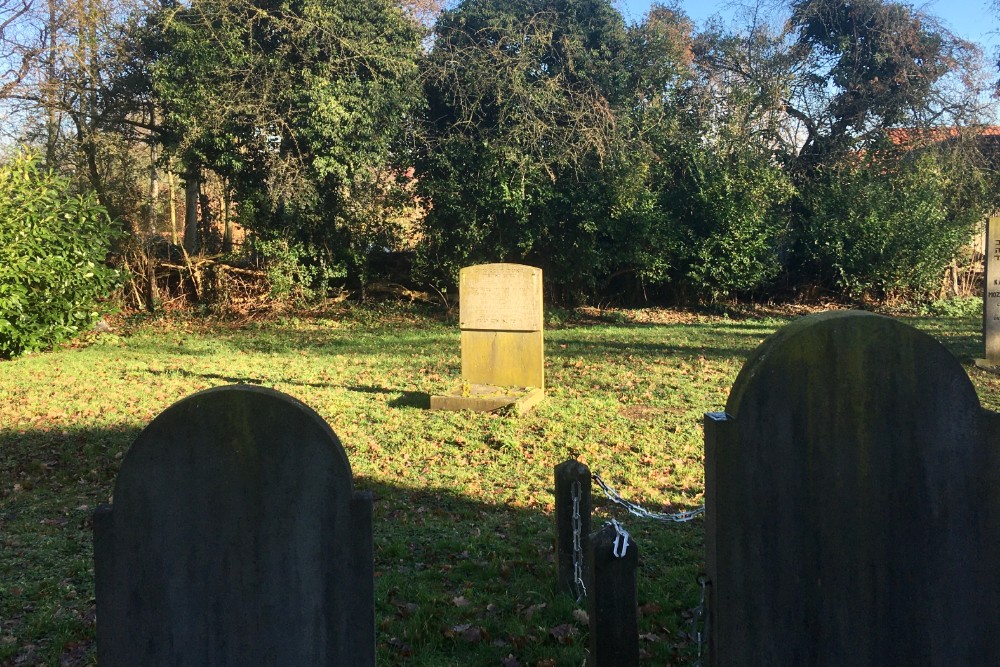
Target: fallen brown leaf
[[530, 611], [563, 633], [649, 608], [474, 634]]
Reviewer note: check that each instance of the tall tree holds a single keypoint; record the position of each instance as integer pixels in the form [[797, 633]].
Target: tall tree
[[872, 65], [524, 142], [66, 63], [300, 104]]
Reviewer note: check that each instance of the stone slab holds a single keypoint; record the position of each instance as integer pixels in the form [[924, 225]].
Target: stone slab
[[500, 297], [488, 398], [504, 358], [986, 365], [236, 538]]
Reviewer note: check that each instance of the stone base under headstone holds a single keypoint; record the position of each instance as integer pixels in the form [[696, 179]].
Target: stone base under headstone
[[487, 398], [987, 365]]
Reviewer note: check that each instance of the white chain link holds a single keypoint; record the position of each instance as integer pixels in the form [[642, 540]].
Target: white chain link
[[620, 546], [699, 623], [640, 511], [581, 589]]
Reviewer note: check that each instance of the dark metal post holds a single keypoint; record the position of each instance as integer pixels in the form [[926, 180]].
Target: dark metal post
[[612, 600], [573, 507]]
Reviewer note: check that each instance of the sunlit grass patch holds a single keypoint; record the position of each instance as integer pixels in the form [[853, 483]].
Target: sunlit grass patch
[[463, 511]]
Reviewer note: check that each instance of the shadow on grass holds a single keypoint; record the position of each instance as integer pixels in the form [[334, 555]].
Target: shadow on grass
[[404, 399], [572, 348], [242, 379], [460, 580], [623, 321], [721, 340], [278, 339]]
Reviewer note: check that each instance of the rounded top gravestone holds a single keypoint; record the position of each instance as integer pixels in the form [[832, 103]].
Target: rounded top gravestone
[[852, 493], [235, 538]]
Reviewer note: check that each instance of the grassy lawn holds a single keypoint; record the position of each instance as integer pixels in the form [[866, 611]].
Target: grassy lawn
[[463, 512]]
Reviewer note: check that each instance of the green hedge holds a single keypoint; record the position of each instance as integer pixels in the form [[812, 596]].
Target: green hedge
[[53, 245], [881, 229]]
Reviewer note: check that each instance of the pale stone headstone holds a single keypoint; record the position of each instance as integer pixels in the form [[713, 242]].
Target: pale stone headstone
[[501, 319], [236, 538], [991, 294], [852, 492]]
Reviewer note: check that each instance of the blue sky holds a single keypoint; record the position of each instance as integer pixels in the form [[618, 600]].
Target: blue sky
[[974, 20]]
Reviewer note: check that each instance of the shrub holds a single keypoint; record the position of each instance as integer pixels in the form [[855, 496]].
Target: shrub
[[730, 210], [53, 244], [877, 229], [296, 272]]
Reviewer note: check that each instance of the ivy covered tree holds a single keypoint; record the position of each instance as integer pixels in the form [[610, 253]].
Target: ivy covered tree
[[869, 65], [818, 98], [302, 105], [715, 173], [536, 146]]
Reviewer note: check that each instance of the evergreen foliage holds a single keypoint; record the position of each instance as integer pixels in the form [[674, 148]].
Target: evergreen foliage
[[882, 226], [303, 105], [525, 146], [629, 161], [53, 246]]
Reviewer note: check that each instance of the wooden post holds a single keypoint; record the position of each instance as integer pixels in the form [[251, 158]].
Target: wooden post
[[613, 600], [573, 507]]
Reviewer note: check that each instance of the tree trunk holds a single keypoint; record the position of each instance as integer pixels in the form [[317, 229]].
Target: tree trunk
[[154, 180], [151, 295], [173, 207], [191, 181], [206, 217], [52, 114], [227, 220]]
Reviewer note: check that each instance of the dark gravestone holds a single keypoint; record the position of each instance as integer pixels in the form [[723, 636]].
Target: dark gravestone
[[236, 538], [853, 503]]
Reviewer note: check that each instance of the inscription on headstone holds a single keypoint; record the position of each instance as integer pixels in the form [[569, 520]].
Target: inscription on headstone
[[991, 296], [235, 538], [852, 494], [500, 297]]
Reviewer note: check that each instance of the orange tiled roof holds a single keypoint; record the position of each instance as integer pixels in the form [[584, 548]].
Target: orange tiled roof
[[903, 136]]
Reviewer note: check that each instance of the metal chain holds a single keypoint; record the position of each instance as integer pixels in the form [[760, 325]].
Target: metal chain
[[699, 623], [620, 546], [581, 589], [640, 511]]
